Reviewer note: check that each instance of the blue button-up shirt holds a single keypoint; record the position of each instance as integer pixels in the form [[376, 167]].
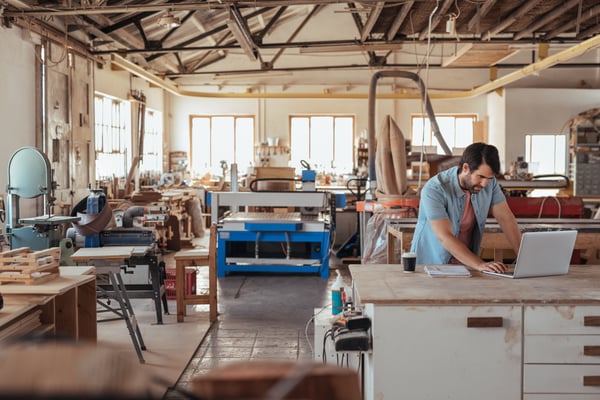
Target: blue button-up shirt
[[442, 197]]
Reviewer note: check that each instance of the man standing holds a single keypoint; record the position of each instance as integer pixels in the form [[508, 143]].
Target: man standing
[[453, 209]]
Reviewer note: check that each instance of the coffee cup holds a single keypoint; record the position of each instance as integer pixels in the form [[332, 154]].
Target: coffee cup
[[409, 262]]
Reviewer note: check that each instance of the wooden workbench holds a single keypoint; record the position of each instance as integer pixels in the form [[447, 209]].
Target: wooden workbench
[[65, 306], [480, 337], [588, 236]]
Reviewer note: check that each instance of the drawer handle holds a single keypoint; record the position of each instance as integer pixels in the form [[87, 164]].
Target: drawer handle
[[593, 380], [591, 320], [591, 350], [484, 322]]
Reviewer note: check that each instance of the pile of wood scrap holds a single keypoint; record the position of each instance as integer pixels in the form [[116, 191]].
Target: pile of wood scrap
[[29, 267]]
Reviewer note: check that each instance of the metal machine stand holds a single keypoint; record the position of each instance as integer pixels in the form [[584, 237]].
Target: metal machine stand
[[30, 176], [124, 310], [352, 246]]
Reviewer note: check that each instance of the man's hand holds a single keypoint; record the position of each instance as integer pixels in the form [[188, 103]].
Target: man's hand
[[494, 266]]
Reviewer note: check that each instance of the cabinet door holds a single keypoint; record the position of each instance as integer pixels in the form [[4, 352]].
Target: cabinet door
[[444, 352]]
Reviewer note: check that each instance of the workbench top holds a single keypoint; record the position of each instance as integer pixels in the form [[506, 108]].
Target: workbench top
[[108, 253], [53, 287], [389, 284]]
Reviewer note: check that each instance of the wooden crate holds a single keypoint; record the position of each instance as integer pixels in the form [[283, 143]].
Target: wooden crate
[[29, 267]]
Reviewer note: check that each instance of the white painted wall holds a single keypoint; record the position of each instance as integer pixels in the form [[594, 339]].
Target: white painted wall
[[17, 100], [496, 104], [120, 83], [530, 111]]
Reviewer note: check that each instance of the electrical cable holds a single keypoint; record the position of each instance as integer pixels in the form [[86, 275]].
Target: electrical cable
[[308, 323]]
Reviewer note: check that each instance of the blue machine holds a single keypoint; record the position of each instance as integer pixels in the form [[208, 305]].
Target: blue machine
[[30, 177], [251, 241]]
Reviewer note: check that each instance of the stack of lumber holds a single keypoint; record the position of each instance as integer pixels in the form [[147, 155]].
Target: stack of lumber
[[29, 267]]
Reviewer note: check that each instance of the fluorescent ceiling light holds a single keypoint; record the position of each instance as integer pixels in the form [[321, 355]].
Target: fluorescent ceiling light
[[221, 76], [347, 48]]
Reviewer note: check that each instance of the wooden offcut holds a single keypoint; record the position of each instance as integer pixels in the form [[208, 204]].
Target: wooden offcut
[[29, 267]]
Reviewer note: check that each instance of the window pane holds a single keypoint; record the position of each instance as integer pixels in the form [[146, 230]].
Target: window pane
[[546, 154], [222, 135], [244, 143], [344, 133], [446, 125], [560, 155], [321, 142], [152, 151], [421, 132], [221, 138], [464, 132], [300, 143], [200, 144]]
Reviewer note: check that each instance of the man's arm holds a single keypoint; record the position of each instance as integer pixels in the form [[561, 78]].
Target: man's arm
[[442, 228], [508, 224]]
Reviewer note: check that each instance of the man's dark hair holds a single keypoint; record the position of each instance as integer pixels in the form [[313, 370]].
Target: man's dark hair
[[479, 153]]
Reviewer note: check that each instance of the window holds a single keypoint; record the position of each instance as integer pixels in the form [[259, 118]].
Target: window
[[457, 131], [325, 142], [221, 138], [153, 139], [548, 151], [112, 137]]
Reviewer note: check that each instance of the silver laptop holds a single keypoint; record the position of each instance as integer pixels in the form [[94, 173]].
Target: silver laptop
[[542, 254]]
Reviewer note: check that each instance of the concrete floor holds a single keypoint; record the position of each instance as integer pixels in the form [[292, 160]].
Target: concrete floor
[[261, 316]]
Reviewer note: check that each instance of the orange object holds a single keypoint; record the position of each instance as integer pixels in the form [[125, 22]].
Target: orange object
[[377, 205]]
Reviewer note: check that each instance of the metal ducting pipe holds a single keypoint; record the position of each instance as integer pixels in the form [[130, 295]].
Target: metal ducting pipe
[[130, 214], [372, 182]]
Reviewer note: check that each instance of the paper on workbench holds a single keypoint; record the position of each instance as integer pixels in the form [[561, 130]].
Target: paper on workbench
[[447, 270]]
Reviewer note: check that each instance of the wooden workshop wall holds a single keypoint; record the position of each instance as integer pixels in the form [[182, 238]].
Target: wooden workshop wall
[[69, 133]]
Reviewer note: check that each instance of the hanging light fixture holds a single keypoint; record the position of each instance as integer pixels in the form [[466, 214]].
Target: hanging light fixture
[[169, 21]]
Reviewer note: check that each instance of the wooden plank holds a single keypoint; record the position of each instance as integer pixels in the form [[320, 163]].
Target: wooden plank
[[56, 286]]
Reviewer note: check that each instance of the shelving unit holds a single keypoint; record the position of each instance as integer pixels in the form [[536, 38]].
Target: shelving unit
[[362, 154], [584, 156]]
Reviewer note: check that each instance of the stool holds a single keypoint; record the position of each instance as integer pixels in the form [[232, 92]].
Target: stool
[[191, 258]]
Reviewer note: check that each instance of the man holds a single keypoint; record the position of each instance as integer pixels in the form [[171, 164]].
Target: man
[[453, 209]]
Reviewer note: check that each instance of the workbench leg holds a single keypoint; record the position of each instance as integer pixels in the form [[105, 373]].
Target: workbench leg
[[180, 289], [212, 274], [128, 315], [221, 266], [155, 276]]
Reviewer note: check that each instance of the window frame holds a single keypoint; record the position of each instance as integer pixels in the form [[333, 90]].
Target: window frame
[[334, 116], [213, 165], [473, 116], [124, 128]]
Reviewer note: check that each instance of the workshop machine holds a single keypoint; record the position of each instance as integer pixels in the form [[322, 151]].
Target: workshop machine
[[30, 176], [268, 237]]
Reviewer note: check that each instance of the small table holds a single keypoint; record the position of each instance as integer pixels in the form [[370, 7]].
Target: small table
[[192, 258], [111, 258]]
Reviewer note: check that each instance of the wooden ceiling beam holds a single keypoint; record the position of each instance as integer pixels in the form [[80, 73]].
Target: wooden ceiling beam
[[371, 20], [508, 21], [546, 18], [483, 11], [399, 20], [586, 15], [436, 19]]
